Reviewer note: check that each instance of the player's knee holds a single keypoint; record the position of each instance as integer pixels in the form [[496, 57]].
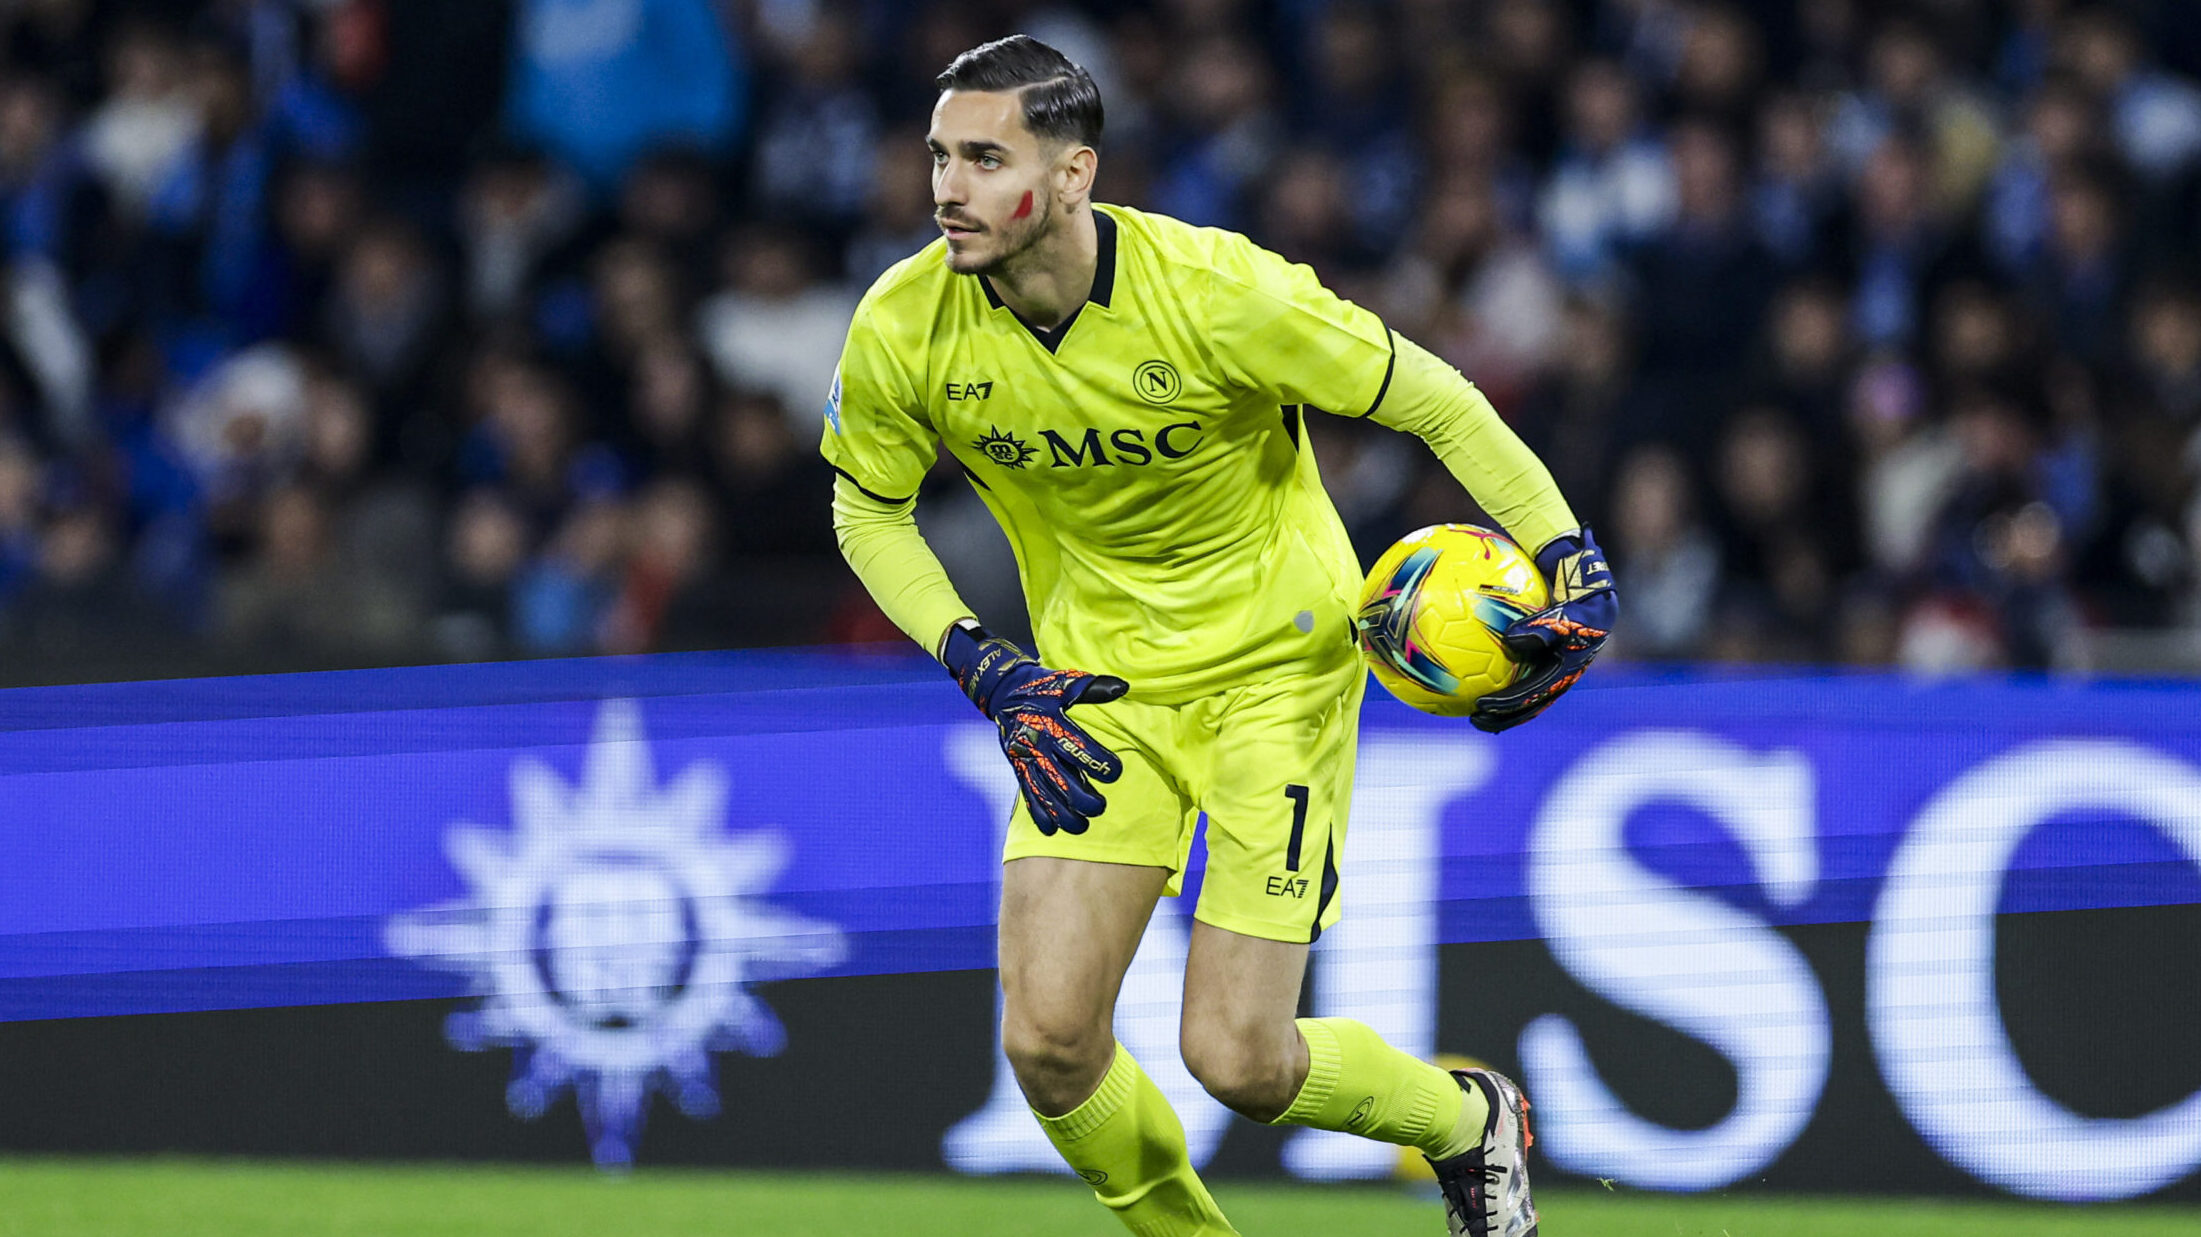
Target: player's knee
[[1042, 1048], [1244, 1074]]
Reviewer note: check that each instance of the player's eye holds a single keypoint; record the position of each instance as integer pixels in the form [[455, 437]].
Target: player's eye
[[989, 162], [939, 158]]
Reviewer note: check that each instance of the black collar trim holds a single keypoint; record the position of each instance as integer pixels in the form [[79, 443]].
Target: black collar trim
[[1104, 284], [1104, 264]]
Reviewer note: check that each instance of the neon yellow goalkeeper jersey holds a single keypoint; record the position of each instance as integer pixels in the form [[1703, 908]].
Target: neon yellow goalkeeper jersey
[[1146, 459]]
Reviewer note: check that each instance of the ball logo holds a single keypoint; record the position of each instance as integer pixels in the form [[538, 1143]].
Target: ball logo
[[614, 933], [1156, 382]]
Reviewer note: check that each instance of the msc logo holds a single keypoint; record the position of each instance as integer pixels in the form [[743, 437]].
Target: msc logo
[[971, 390], [1004, 448], [1131, 446], [1156, 382]]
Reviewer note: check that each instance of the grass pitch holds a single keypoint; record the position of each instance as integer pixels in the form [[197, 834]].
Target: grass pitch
[[194, 1198]]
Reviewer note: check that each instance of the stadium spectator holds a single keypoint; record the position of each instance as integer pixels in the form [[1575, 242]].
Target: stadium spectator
[[485, 548], [1806, 363], [1795, 192], [669, 594], [776, 328], [1480, 294], [814, 140], [1910, 90], [2154, 117], [1718, 66], [897, 218], [516, 212], [1899, 244], [1702, 279], [20, 500], [385, 313], [1785, 540], [2061, 128], [2078, 281], [599, 82], [1354, 108], [1673, 563], [1219, 136], [562, 597], [1469, 133], [1585, 414], [1611, 185]]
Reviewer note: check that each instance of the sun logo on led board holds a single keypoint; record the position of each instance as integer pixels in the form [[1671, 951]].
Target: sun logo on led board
[[613, 935]]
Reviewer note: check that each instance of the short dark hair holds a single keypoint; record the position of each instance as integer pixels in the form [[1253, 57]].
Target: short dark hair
[[1060, 100]]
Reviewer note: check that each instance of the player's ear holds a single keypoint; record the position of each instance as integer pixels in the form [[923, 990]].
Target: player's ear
[[1074, 171]]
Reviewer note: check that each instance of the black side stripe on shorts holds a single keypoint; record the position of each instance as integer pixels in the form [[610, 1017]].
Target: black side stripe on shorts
[[1329, 882]]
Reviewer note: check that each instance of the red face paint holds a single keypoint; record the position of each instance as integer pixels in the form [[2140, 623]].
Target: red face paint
[[1024, 207]]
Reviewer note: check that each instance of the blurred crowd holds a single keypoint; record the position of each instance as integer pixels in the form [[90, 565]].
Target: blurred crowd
[[344, 332]]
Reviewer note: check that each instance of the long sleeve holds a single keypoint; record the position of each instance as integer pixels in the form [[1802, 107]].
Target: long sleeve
[[1429, 399], [881, 543]]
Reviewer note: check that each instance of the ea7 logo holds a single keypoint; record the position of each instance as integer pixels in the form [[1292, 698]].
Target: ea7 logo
[[970, 390]]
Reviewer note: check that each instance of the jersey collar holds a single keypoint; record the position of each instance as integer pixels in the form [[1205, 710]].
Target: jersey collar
[[1104, 284]]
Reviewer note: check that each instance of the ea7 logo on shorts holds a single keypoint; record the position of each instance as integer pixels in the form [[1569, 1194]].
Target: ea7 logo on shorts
[[1287, 887], [971, 390]]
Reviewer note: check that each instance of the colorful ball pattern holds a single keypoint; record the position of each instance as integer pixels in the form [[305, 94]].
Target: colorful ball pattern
[[1433, 609]]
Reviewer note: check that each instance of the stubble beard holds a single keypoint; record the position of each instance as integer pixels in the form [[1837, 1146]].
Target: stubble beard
[[1016, 247]]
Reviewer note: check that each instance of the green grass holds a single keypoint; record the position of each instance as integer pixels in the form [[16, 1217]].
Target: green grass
[[193, 1198]]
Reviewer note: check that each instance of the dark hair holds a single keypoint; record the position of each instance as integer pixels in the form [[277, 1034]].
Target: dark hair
[[1060, 100]]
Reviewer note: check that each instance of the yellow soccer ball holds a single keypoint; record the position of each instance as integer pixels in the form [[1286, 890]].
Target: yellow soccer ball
[[1433, 609]]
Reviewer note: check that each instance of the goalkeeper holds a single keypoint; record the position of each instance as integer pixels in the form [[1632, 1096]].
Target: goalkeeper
[[1128, 394]]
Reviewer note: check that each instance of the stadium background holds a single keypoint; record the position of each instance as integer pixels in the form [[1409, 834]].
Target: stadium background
[[344, 334]]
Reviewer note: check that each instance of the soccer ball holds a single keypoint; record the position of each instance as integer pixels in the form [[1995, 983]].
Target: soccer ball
[[1433, 609]]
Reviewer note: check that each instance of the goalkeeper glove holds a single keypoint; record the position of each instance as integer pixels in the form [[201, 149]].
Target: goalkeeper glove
[[1557, 643], [1056, 762]]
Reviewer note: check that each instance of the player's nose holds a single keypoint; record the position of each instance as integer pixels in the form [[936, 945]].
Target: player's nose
[[947, 187]]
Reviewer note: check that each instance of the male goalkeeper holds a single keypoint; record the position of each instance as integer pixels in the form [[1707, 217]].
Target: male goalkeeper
[[1128, 395]]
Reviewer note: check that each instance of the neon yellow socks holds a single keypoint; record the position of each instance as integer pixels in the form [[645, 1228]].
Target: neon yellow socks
[[1361, 1085], [1127, 1143]]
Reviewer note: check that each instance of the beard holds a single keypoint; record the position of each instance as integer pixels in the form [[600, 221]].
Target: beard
[[1018, 239]]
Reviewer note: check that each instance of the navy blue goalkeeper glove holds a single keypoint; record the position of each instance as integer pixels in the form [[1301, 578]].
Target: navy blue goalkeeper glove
[[1056, 762], [1557, 643]]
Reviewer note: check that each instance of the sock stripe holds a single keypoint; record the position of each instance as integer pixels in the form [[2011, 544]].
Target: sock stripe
[[1325, 1062], [1421, 1109]]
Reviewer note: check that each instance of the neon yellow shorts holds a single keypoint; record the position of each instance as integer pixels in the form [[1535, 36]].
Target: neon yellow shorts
[[1270, 763]]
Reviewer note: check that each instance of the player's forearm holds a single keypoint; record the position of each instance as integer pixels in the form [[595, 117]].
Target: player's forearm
[[1430, 400], [884, 548]]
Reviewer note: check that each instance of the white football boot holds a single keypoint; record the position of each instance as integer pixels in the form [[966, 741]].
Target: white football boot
[[1486, 1187]]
